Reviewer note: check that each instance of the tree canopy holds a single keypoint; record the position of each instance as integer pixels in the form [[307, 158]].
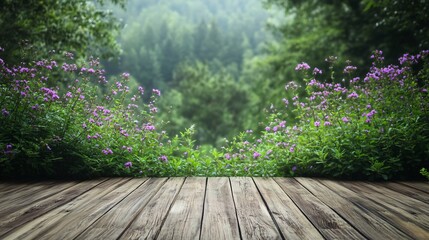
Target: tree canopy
[[78, 26]]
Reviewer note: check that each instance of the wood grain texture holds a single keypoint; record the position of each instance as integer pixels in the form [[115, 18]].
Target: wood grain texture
[[112, 224], [254, 219], [213, 208], [69, 220], [397, 201], [8, 187], [148, 223], [376, 205], [422, 186], [23, 193], [291, 221], [328, 222], [369, 224], [219, 218], [22, 199], [184, 219], [41, 206], [407, 191]]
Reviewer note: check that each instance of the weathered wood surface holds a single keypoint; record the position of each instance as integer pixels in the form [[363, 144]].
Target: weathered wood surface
[[214, 208]]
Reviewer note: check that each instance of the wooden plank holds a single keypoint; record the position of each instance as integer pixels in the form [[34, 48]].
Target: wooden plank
[[149, 221], [68, 221], [291, 221], [370, 203], [397, 200], [254, 219], [8, 186], [23, 193], [31, 196], [184, 219], [422, 186], [369, 224], [407, 191], [219, 218], [329, 223], [112, 224], [42, 206]]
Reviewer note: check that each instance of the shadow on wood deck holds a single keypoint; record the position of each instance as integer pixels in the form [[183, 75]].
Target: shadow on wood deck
[[214, 208]]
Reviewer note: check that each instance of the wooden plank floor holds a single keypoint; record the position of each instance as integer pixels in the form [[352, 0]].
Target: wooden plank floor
[[214, 208]]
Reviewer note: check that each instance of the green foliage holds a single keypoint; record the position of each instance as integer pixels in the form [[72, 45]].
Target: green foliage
[[42, 26], [424, 172], [375, 129], [69, 130], [350, 30], [215, 103]]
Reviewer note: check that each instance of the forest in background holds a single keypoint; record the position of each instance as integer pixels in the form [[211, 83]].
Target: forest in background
[[222, 64], [196, 53]]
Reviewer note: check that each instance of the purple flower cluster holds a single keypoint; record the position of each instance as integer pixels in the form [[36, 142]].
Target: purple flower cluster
[[9, 149], [156, 92], [302, 66], [107, 151], [349, 69], [163, 158], [128, 164], [50, 94]]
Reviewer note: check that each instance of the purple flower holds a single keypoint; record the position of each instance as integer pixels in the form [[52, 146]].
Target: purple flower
[[124, 133], [125, 75], [349, 69], [9, 149], [163, 158], [4, 112], [267, 129], [345, 119], [327, 124], [317, 71], [156, 92], [227, 156], [149, 127], [353, 95], [275, 129], [316, 123], [107, 151], [370, 114], [291, 149], [302, 66], [128, 164], [294, 168], [256, 155], [141, 90]]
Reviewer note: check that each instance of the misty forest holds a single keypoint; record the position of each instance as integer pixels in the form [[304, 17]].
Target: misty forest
[[325, 88]]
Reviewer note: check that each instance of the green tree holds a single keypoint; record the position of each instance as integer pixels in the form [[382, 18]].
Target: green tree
[[215, 103], [77, 26]]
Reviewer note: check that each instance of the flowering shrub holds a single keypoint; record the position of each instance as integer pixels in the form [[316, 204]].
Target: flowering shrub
[[375, 128], [59, 119]]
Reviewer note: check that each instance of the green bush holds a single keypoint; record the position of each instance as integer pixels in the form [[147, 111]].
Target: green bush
[[376, 128], [56, 123], [62, 120]]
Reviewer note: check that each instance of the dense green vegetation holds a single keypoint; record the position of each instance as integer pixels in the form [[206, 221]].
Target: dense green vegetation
[[184, 76], [205, 45]]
